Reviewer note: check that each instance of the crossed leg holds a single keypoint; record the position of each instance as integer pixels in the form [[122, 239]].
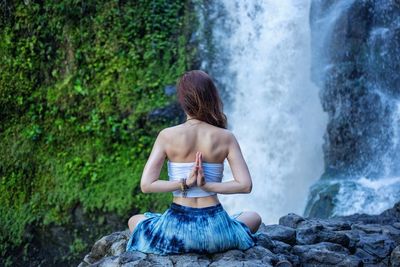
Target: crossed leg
[[251, 218], [134, 220]]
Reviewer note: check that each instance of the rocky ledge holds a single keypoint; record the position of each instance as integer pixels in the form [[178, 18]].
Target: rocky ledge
[[356, 240]]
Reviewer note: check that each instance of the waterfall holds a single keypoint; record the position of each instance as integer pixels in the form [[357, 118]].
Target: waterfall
[[258, 53], [356, 55]]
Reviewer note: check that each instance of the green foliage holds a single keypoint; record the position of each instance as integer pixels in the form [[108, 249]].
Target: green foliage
[[78, 80], [77, 246]]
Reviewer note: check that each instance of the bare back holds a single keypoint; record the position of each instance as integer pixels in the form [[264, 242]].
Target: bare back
[[180, 144], [184, 140]]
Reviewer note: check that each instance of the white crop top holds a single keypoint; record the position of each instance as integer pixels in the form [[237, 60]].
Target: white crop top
[[213, 172]]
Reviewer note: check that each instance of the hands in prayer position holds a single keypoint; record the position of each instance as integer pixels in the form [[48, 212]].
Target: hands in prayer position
[[196, 176]]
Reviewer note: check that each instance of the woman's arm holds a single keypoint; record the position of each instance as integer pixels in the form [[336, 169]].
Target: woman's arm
[[150, 182], [242, 180]]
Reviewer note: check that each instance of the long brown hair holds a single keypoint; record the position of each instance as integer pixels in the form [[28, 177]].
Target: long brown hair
[[199, 98]]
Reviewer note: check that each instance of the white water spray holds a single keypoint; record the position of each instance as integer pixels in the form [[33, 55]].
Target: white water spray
[[260, 58]]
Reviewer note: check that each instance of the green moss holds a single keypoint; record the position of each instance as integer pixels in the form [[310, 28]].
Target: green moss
[[77, 247], [78, 81]]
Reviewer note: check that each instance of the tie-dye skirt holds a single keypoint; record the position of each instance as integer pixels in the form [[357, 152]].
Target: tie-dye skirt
[[183, 229]]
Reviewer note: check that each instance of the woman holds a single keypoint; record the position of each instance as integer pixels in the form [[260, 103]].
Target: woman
[[196, 150]]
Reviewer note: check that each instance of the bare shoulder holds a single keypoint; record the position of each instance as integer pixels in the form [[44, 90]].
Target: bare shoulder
[[218, 134], [165, 133], [169, 132], [225, 133]]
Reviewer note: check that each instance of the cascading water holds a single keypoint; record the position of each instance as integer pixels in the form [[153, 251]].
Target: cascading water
[[356, 63], [258, 52]]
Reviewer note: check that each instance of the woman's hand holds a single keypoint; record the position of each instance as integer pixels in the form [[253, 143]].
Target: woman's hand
[[200, 174], [192, 179]]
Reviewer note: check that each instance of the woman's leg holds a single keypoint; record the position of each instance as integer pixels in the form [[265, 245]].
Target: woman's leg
[[134, 220], [251, 218]]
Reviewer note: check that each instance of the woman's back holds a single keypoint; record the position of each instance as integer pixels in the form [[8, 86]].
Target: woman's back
[[181, 143], [184, 140]]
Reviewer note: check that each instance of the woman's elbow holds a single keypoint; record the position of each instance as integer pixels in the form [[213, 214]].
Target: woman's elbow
[[145, 188], [247, 189]]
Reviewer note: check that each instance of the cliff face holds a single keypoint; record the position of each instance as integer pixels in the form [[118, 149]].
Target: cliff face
[[296, 241], [355, 48]]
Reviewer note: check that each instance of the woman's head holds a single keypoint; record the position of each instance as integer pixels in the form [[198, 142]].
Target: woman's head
[[199, 98]]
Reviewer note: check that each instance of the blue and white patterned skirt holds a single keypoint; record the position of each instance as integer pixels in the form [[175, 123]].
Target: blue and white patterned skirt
[[183, 229]]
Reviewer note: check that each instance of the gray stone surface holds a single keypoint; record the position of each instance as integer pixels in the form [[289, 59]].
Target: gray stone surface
[[321, 253], [265, 241], [395, 257], [291, 220], [282, 233]]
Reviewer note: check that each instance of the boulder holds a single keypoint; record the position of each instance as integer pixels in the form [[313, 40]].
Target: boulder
[[281, 233]]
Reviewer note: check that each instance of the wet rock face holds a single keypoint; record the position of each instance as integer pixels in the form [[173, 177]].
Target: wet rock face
[[356, 64], [355, 46], [357, 240]]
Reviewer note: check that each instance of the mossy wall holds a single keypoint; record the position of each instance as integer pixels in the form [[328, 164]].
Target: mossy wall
[[78, 80]]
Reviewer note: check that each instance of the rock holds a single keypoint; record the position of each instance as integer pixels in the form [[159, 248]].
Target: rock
[[281, 247], [132, 256], [101, 247], [321, 199], [283, 263], [335, 224], [137, 264], [258, 256], [112, 261], [323, 246], [341, 241], [311, 223], [350, 261], [367, 228], [354, 237], [308, 236], [371, 219], [88, 260], [334, 237], [395, 257], [392, 232], [160, 261], [293, 259], [321, 253], [230, 263], [262, 228], [190, 260], [366, 257], [117, 248], [258, 252], [377, 245], [233, 254], [291, 220], [265, 241], [393, 212], [282, 233], [311, 232]]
